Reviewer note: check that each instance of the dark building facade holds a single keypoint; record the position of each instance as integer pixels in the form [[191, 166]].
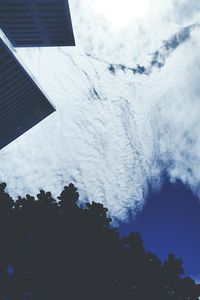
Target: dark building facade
[[22, 103], [36, 23], [27, 23]]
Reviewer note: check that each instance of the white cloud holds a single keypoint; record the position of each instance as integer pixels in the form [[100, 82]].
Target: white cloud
[[111, 132], [140, 37], [178, 122]]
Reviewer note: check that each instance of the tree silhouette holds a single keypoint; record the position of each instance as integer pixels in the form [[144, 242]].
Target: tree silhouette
[[57, 250], [69, 197]]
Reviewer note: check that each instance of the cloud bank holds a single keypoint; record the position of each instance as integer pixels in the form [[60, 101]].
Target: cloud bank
[[115, 129]]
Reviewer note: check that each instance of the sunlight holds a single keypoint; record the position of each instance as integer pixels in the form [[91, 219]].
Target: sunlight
[[121, 13]]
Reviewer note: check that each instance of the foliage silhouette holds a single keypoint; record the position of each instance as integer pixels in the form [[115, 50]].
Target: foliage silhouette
[[56, 250]]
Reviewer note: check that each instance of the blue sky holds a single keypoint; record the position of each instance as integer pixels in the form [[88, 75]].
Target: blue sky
[[170, 223]]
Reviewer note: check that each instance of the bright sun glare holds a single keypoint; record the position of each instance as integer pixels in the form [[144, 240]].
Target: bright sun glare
[[120, 13]]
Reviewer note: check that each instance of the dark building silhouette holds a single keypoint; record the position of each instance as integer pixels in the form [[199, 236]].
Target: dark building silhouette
[[22, 103], [27, 23], [37, 23]]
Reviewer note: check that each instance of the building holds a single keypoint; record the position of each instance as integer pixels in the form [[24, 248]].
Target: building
[[22, 102], [27, 23], [36, 23]]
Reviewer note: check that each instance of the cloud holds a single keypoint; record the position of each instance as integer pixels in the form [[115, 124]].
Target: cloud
[[134, 42], [177, 122], [114, 131]]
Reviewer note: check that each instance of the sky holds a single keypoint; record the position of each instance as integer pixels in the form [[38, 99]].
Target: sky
[[170, 223], [127, 99]]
